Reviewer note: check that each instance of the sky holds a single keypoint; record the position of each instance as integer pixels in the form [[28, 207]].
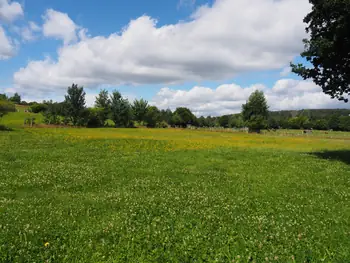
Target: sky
[[207, 55]]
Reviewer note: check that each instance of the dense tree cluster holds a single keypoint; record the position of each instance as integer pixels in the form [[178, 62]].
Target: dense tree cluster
[[114, 110]]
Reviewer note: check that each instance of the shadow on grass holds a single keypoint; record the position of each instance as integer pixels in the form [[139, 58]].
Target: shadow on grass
[[341, 155], [5, 128]]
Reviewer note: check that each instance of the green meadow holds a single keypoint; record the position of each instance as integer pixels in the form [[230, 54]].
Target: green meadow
[[171, 195]]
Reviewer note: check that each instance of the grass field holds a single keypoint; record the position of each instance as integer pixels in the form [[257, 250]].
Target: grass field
[[140, 195]]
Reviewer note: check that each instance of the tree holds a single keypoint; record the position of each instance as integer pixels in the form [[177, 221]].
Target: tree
[[344, 123], [273, 123], [166, 115], [301, 122], [320, 124], [16, 98], [6, 107], [152, 116], [103, 103], [202, 122], [255, 111], [333, 122], [75, 103], [140, 109], [176, 120], [94, 119], [328, 48], [121, 110], [38, 107], [185, 117], [3, 97], [53, 112], [236, 121], [224, 121]]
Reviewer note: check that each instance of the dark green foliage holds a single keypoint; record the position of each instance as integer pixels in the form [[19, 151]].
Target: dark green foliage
[[5, 128], [6, 107], [255, 111], [75, 104], [321, 124], [166, 115], [183, 117], [176, 120], [38, 107], [162, 124], [3, 97], [54, 113], [140, 109], [224, 121], [344, 123], [273, 123], [16, 98], [328, 47], [301, 122], [93, 119], [121, 110], [152, 116], [333, 122], [103, 102]]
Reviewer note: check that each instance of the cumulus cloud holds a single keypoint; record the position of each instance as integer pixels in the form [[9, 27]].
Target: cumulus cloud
[[9, 11], [7, 48], [29, 32], [286, 94], [59, 25], [220, 41]]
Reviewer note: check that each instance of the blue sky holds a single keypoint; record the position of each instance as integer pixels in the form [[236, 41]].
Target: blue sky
[[205, 54]]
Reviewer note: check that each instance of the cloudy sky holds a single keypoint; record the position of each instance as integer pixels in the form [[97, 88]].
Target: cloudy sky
[[208, 55]]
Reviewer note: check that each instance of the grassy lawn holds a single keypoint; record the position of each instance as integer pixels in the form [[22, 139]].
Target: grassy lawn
[[16, 119], [140, 195]]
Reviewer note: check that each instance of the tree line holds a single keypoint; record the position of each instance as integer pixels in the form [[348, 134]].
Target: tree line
[[115, 110]]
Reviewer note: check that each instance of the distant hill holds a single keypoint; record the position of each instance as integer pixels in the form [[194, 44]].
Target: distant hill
[[312, 114]]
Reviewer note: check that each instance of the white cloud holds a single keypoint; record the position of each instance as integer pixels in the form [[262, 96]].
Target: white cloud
[[28, 33], [9, 11], [58, 25], [220, 41], [285, 71], [286, 94], [7, 48], [186, 3]]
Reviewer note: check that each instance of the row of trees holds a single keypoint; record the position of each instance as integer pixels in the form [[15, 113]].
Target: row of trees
[[113, 109], [16, 98]]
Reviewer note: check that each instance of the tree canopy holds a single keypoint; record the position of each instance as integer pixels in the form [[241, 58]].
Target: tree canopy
[[16, 98], [255, 112], [75, 103], [6, 107], [140, 108], [328, 47], [121, 110]]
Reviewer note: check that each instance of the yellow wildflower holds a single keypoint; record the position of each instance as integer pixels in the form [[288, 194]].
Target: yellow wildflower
[[46, 244]]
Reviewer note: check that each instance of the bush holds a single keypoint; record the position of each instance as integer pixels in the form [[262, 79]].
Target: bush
[[38, 107], [162, 124], [6, 107]]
